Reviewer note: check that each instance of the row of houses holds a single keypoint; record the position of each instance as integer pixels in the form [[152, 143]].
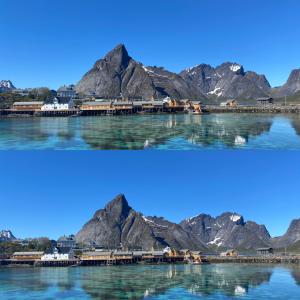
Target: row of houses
[[260, 102], [101, 106], [102, 257]]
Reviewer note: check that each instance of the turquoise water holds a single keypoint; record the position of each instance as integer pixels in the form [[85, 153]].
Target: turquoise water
[[220, 281], [178, 132]]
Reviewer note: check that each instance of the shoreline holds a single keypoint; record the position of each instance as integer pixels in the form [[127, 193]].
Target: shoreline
[[290, 109], [271, 260]]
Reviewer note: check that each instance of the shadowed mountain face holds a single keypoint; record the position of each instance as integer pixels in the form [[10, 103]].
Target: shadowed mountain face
[[291, 87], [292, 236], [119, 224], [228, 230], [117, 74], [228, 80]]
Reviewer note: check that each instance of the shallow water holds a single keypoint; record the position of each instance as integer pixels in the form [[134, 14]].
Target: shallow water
[[178, 132], [216, 281]]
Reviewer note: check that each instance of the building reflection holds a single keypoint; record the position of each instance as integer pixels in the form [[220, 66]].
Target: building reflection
[[139, 132], [129, 283]]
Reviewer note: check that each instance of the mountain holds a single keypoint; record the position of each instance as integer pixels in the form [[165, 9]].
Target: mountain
[[291, 87], [6, 235], [292, 236], [6, 86], [117, 74], [228, 80], [228, 230], [118, 224]]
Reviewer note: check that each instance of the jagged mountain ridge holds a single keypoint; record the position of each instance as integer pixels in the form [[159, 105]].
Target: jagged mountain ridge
[[228, 80], [119, 75], [118, 224], [228, 230]]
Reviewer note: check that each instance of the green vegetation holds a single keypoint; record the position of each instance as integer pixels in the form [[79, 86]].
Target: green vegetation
[[39, 94], [39, 244]]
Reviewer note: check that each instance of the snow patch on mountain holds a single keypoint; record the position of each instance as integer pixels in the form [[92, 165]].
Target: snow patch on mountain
[[235, 217], [235, 68]]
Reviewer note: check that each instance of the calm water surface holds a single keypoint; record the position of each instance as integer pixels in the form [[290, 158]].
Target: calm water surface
[[181, 132], [222, 281]]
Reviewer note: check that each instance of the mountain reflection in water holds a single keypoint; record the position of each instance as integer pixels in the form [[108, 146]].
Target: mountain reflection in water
[[182, 132], [217, 281]]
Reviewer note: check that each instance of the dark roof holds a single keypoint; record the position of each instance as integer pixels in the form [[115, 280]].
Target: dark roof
[[264, 249], [64, 250]]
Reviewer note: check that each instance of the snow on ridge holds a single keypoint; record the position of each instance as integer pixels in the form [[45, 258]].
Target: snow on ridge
[[235, 67], [150, 72], [152, 223], [235, 217], [191, 68]]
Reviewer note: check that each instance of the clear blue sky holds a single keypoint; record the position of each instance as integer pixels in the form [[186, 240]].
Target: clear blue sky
[[53, 42], [55, 193]]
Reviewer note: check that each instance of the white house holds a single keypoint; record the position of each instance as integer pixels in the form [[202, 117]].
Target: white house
[[59, 103], [58, 254]]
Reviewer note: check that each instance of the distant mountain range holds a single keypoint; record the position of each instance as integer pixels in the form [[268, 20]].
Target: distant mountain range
[[6, 235], [119, 224], [117, 74], [6, 86]]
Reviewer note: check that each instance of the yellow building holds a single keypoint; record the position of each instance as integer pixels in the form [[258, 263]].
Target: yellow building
[[26, 256]]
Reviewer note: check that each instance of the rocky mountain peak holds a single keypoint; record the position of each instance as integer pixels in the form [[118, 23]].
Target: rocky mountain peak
[[118, 57], [118, 204]]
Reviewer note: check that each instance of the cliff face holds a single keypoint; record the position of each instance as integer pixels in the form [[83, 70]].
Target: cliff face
[[117, 74]]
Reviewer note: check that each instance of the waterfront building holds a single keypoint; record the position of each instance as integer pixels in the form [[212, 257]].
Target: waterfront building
[[67, 242], [190, 105], [97, 255], [97, 105], [58, 103], [265, 251], [123, 105], [229, 103], [31, 255], [229, 253], [265, 101], [59, 253], [28, 106], [67, 91], [122, 255]]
